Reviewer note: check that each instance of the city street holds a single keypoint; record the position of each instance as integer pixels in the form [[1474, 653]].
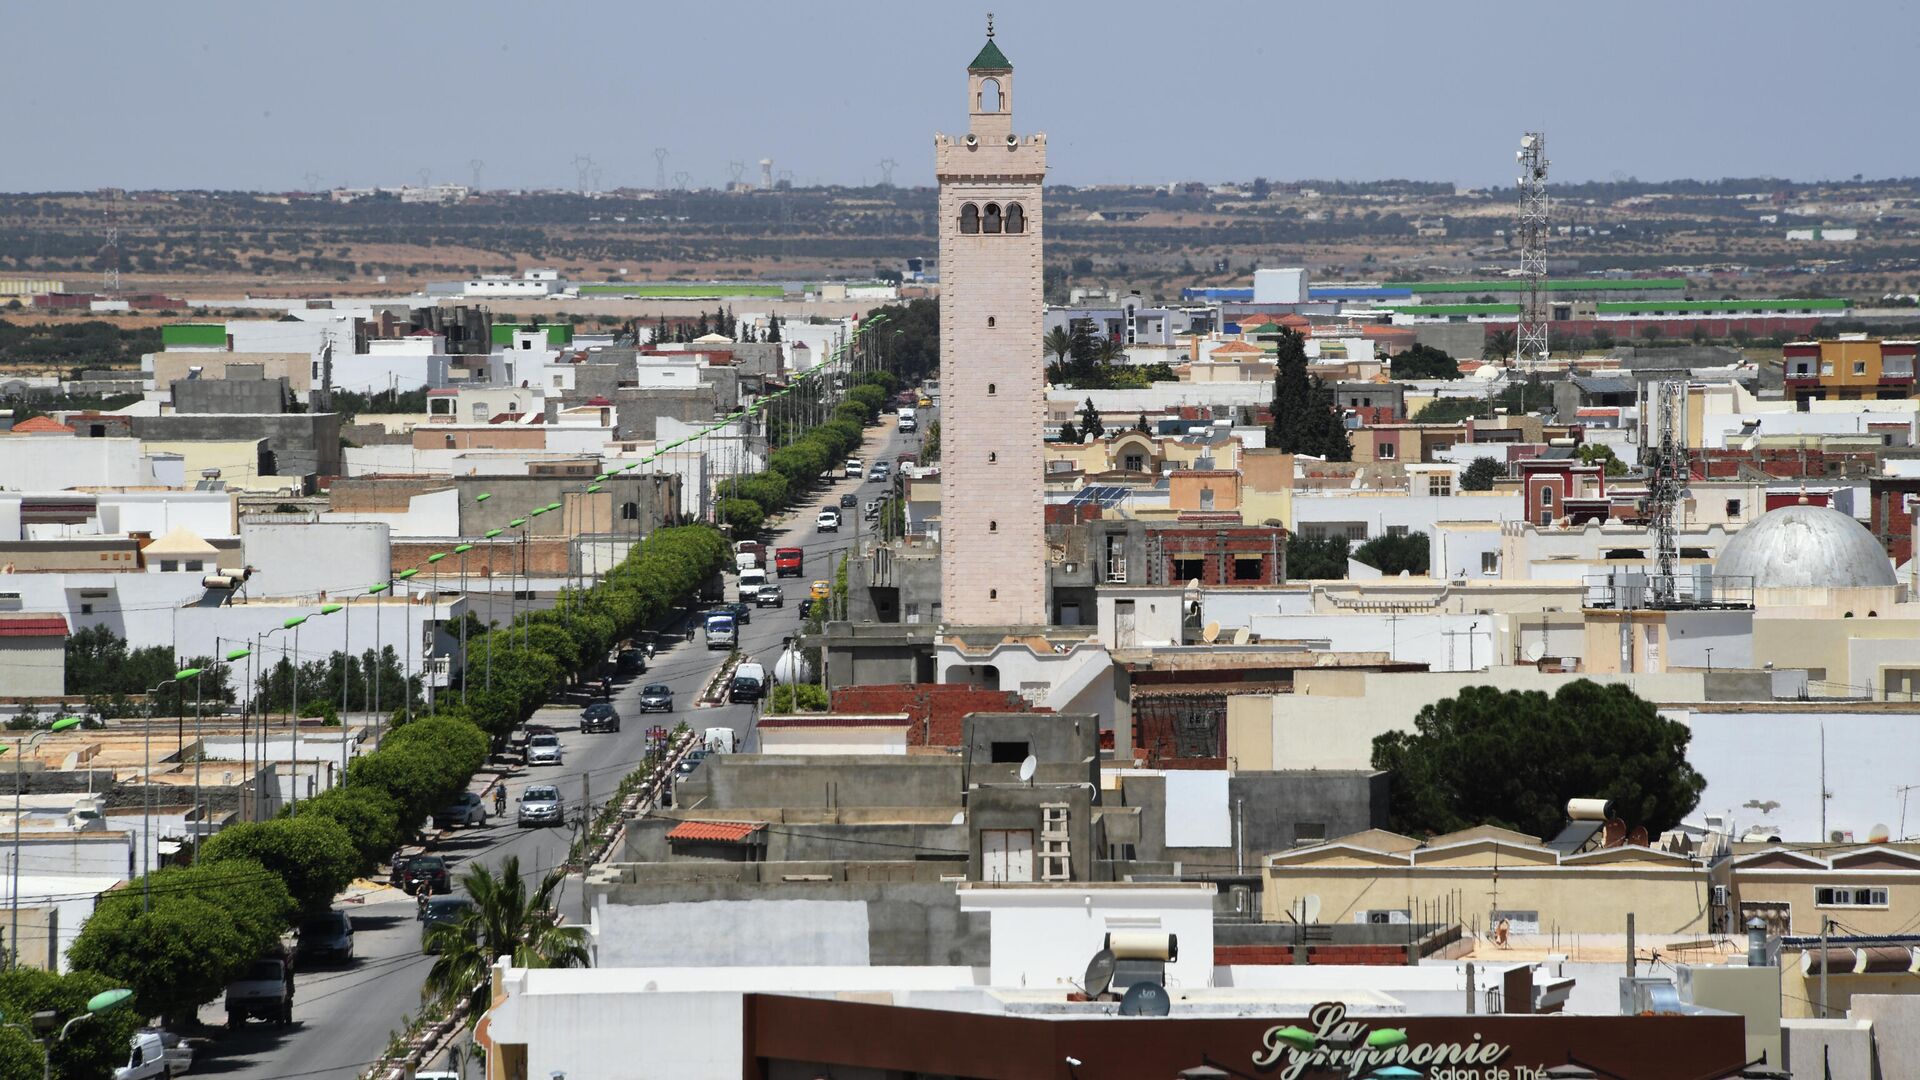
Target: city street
[[344, 1015]]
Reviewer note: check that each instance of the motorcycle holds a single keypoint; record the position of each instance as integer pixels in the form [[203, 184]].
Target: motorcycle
[[499, 800]]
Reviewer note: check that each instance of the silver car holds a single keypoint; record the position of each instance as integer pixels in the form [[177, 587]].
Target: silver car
[[544, 750], [541, 805]]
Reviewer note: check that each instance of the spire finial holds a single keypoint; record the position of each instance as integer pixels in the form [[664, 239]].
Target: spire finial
[[989, 25]]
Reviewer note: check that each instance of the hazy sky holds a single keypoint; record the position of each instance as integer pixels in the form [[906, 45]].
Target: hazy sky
[[251, 95]]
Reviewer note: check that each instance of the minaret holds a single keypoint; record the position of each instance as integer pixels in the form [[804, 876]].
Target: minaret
[[992, 404]]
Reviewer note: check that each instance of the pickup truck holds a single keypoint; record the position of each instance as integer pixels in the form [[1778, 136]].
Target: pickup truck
[[156, 1055], [264, 991]]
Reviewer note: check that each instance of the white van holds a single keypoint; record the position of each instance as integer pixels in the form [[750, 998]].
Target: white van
[[750, 584], [854, 469], [749, 682]]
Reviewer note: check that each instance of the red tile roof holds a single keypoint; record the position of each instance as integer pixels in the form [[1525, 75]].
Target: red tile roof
[[725, 832], [41, 424], [14, 624]]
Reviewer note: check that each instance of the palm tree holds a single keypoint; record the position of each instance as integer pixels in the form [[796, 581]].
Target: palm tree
[[1500, 345], [503, 921], [1059, 343], [1109, 352]]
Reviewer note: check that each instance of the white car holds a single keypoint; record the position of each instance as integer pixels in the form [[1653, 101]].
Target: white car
[[828, 520], [544, 750]]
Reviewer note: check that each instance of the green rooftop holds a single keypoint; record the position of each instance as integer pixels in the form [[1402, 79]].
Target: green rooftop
[[990, 59], [214, 334], [1552, 285], [557, 333]]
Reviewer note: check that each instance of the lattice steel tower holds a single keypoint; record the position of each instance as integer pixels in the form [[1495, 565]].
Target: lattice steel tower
[[1530, 338]]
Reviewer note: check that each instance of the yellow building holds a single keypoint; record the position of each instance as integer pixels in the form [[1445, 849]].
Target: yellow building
[[1485, 876], [1851, 368]]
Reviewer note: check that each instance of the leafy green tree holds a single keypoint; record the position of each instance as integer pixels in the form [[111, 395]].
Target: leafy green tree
[[1090, 420], [1393, 555], [370, 818], [1305, 418], [312, 854], [773, 328], [1513, 758], [1069, 433], [1603, 455], [19, 1055], [1424, 362], [1312, 558], [743, 516], [505, 920], [206, 924], [1480, 474], [91, 1049], [1140, 425]]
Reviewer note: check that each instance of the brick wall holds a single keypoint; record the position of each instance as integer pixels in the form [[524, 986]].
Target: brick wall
[[936, 711], [546, 557]]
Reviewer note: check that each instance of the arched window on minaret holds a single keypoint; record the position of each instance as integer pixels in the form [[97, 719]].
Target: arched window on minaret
[[989, 96], [991, 222], [1016, 218], [970, 218]]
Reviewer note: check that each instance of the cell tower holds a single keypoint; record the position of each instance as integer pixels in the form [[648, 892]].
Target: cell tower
[[659, 168], [1663, 487], [1530, 339], [110, 254]]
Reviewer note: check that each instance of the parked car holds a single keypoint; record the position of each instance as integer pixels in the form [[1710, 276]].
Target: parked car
[[397, 877], [264, 991], [632, 661], [440, 909], [770, 596], [820, 590], [466, 809], [540, 805], [849, 501], [545, 750], [328, 936], [599, 717], [827, 520], [690, 762], [656, 697], [429, 873]]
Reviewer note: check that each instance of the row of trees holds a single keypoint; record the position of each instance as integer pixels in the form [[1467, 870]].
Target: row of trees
[[1324, 558], [175, 937], [793, 469]]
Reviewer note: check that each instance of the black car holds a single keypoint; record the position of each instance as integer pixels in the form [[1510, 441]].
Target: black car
[[599, 716], [806, 607], [742, 613], [656, 697], [328, 936], [398, 878], [428, 873], [849, 500], [631, 662]]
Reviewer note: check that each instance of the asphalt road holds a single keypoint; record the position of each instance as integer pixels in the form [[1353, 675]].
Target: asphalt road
[[344, 1015]]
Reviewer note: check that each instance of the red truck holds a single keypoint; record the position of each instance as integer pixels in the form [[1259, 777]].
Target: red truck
[[788, 562]]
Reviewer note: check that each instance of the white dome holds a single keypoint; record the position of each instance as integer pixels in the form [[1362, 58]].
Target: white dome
[[1806, 547]]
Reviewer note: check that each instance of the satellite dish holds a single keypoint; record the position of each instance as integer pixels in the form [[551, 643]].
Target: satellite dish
[[1099, 973], [1879, 834], [1146, 999], [1242, 636], [959, 818], [1027, 767], [1210, 633], [1535, 651]]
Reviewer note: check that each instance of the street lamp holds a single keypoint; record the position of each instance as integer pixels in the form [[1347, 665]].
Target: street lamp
[[406, 627], [379, 655], [491, 628], [329, 609], [104, 1001], [65, 723], [146, 803], [461, 550]]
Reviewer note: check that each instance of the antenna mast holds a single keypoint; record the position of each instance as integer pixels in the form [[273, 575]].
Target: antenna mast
[[1530, 340], [1663, 487]]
